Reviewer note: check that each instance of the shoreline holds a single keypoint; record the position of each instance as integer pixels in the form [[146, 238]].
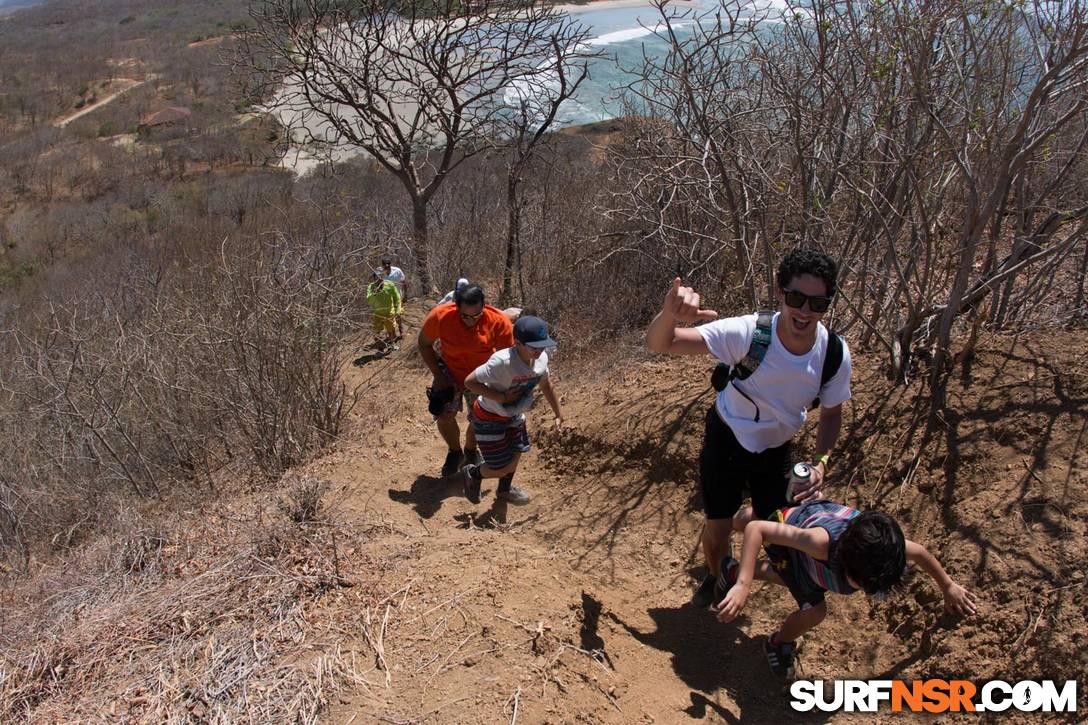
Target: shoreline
[[301, 158], [591, 5]]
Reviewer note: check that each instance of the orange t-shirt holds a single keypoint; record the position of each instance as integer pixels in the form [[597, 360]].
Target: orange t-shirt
[[466, 348]]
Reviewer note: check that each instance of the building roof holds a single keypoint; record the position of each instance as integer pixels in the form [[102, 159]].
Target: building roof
[[170, 114]]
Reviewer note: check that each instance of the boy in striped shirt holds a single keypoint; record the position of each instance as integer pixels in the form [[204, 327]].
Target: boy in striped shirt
[[821, 546]]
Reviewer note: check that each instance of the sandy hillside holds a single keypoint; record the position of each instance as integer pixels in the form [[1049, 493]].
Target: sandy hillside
[[574, 608]]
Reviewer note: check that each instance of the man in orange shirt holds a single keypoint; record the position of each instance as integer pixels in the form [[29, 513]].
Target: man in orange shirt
[[469, 331]]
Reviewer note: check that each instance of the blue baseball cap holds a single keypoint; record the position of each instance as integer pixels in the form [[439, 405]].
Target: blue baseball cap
[[532, 331]]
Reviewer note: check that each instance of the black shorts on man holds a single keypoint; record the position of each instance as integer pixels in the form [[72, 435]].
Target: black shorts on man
[[727, 469]]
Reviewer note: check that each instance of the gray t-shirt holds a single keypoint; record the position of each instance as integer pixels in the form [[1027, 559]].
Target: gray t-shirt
[[504, 371]]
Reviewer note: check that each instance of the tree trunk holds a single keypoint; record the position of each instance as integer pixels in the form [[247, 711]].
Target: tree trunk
[[901, 349], [1078, 303], [513, 232], [948, 317], [422, 251]]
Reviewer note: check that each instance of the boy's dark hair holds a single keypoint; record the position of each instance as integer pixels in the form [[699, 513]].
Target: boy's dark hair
[[873, 552], [471, 295], [809, 260]]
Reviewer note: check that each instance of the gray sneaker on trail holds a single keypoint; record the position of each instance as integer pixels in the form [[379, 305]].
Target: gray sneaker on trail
[[515, 495]]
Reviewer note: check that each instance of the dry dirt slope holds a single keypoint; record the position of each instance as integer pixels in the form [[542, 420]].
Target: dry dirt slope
[[574, 609], [407, 604]]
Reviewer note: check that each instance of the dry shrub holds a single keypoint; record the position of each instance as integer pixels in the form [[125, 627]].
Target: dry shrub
[[173, 374], [302, 503], [140, 551], [213, 632]]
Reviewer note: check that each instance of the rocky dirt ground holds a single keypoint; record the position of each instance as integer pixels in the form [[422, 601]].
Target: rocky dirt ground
[[575, 607]]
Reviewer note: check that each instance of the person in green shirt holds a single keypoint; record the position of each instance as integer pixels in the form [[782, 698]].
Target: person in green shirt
[[384, 300]]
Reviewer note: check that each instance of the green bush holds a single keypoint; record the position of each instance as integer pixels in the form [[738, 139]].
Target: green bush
[[14, 274]]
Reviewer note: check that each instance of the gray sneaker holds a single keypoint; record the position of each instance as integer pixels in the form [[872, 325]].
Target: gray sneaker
[[516, 496]]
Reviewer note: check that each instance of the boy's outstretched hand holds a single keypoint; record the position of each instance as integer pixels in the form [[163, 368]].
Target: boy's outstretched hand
[[728, 608], [959, 601], [683, 304]]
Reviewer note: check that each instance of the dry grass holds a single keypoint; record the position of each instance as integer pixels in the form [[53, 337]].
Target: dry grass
[[212, 622]]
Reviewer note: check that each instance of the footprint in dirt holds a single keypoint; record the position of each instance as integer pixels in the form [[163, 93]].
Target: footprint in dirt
[[427, 494]]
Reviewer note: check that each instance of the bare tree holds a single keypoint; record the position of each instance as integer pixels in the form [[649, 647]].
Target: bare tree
[[684, 187], [416, 88], [536, 104], [937, 149]]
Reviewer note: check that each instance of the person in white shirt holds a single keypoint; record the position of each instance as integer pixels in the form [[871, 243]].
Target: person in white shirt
[[746, 442], [461, 284], [505, 385], [396, 276]]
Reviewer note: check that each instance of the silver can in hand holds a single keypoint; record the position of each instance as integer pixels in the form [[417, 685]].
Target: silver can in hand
[[799, 477]]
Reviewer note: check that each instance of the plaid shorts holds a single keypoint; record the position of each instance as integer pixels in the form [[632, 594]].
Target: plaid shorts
[[498, 439]]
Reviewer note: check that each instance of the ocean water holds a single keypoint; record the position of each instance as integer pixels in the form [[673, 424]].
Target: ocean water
[[624, 37]]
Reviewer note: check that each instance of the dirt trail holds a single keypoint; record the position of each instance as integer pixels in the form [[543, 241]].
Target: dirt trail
[[397, 601], [127, 84], [574, 608]]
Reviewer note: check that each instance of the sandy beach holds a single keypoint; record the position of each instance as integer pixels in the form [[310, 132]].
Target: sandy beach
[[303, 126]]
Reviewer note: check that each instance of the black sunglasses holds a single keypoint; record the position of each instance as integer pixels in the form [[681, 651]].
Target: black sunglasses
[[467, 316], [816, 303]]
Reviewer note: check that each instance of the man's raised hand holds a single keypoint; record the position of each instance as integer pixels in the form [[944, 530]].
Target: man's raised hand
[[683, 304]]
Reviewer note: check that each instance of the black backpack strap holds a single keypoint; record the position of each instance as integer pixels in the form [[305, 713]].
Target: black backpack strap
[[832, 363], [757, 350]]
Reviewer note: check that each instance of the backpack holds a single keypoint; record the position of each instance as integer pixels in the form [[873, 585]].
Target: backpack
[[724, 373]]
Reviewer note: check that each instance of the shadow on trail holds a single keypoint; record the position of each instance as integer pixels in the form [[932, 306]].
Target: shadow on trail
[[699, 705], [490, 519], [708, 656], [427, 494], [591, 640], [1025, 405], [370, 356], [630, 473], [1008, 532]]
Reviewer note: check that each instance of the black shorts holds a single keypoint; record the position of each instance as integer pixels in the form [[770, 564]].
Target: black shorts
[[727, 470]]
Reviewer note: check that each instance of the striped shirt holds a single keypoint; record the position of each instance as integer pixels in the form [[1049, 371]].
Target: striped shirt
[[833, 518]]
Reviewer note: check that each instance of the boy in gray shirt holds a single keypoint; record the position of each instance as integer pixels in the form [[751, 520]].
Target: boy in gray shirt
[[505, 384]]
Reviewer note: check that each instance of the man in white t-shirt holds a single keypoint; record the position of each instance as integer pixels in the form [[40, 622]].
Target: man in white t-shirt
[[746, 442], [505, 385], [396, 276]]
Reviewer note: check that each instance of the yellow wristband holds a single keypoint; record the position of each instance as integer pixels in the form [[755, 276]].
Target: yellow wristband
[[824, 459]]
